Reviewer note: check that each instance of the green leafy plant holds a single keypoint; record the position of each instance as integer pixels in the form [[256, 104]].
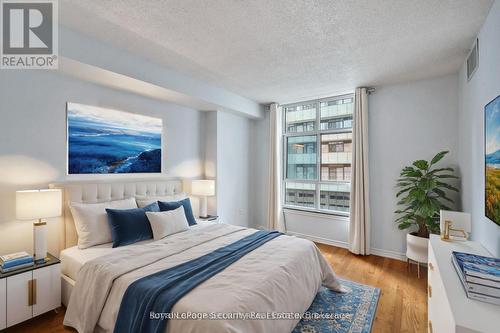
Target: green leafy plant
[[423, 193]]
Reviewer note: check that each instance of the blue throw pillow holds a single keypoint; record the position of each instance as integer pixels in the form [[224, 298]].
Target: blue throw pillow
[[130, 226], [186, 203]]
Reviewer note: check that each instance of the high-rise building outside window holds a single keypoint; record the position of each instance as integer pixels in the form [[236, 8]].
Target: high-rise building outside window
[[317, 154]]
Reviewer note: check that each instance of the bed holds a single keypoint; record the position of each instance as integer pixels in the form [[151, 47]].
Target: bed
[[281, 276]]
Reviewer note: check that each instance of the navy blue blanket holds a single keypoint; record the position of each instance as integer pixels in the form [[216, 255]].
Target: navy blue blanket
[[160, 291]]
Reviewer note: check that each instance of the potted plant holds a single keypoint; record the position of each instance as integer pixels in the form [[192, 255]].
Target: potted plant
[[422, 194]]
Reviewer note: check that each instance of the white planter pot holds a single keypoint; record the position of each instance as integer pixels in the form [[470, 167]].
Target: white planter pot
[[416, 248]]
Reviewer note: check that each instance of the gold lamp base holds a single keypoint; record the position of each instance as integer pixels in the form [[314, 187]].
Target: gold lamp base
[[446, 233]]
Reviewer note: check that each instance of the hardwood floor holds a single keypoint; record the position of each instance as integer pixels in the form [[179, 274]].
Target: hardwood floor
[[402, 306]]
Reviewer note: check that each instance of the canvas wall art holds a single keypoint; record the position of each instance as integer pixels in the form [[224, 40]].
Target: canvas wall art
[[492, 159], [105, 141]]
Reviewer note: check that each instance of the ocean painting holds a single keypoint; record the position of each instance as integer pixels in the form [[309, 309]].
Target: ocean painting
[[103, 141], [492, 159]]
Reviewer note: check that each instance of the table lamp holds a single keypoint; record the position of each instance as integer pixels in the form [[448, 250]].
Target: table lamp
[[38, 205], [203, 188]]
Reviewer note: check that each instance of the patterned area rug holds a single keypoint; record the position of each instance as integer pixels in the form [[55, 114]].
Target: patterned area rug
[[351, 312]]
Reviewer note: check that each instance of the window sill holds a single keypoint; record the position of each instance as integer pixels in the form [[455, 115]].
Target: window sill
[[320, 213]]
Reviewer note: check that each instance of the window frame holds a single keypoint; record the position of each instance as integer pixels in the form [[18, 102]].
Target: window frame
[[317, 132]]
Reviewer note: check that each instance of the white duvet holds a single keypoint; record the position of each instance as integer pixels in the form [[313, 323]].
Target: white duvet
[[283, 275]]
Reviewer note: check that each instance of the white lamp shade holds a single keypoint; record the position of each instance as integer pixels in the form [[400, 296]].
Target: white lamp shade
[[38, 204], [203, 187]]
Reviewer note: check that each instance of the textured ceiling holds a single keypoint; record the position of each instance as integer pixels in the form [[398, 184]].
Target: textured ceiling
[[276, 50]]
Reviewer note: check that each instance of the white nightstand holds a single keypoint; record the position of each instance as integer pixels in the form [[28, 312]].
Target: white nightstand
[[211, 218], [29, 292]]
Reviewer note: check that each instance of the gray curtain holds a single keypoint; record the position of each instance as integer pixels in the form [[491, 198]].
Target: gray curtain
[[359, 227]]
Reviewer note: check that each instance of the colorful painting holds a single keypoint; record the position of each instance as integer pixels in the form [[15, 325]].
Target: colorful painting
[[492, 159], [103, 141]]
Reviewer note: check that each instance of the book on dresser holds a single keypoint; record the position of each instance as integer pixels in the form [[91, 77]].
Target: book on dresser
[[479, 275], [14, 261]]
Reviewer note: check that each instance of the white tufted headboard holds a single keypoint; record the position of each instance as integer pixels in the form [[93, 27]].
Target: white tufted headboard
[[96, 191]]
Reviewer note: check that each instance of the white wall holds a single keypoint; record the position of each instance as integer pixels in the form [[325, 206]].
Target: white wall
[[210, 157], [407, 122], [33, 138], [474, 95], [230, 158], [259, 164], [233, 168]]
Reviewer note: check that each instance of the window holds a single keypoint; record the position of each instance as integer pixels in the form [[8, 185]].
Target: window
[[301, 117], [301, 157], [318, 152]]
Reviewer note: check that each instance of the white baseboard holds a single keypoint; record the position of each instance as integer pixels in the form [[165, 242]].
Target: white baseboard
[[388, 254], [345, 245], [321, 240]]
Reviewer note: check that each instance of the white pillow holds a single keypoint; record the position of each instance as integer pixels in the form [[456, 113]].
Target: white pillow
[[91, 220], [167, 223], [143, 201]]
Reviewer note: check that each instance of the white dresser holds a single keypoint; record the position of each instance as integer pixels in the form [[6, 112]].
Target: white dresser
[[449, 309], [3, 304]]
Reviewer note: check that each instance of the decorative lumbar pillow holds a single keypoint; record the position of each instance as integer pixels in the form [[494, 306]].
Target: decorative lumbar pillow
[[143, 201], [186, 203], [130, 226], [91, 220], [168, 222]]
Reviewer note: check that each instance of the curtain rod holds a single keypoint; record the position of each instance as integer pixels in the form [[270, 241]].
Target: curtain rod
[[370, 90]]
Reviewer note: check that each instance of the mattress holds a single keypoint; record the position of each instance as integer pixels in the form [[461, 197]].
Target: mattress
[[73, 258]]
